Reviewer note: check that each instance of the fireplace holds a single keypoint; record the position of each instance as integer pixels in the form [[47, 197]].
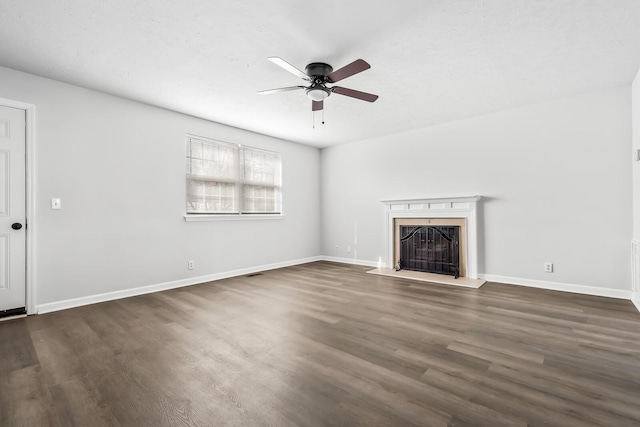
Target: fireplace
[[430, 249], [442, 213]]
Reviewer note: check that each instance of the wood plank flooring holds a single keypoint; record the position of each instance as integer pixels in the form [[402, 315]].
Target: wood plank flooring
[[326, 344]]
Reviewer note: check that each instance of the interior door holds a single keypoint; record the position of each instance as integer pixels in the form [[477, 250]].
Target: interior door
[[12, 211]]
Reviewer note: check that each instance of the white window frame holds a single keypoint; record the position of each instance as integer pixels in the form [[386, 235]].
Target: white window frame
[[238, 180]]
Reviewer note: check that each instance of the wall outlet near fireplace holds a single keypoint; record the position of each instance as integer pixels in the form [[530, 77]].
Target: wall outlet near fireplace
[[548, 267], [337, 248]]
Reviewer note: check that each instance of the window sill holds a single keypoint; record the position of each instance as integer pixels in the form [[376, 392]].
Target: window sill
[[245, 217]]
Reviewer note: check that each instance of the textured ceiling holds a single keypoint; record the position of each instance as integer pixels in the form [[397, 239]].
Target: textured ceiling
[[432, 61]]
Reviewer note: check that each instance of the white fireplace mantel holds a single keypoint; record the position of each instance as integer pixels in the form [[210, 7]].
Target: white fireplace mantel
[[448, 207]]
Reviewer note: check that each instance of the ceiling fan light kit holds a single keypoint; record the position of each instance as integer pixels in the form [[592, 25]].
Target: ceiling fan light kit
[[318, 93], [318, 74]]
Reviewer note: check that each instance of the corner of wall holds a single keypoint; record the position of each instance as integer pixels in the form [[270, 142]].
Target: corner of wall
[[635, 189]]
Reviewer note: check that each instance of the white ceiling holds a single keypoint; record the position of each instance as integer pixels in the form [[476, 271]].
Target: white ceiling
[[431, 61]]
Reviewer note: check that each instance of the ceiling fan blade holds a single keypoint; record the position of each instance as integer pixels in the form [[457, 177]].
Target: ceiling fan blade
[[282, 89], [354, 93], [317, 105], [290, 68], [355, 67]]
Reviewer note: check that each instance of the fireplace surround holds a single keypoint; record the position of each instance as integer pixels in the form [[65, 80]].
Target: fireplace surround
[[454, 211]]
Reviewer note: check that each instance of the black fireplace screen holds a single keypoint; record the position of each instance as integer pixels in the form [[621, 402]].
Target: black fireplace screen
[[431, 249]]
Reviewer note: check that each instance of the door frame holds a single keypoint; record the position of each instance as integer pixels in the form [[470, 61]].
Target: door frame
[[30, 199]]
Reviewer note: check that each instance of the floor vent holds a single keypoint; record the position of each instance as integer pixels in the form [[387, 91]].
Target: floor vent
[[254, 274]]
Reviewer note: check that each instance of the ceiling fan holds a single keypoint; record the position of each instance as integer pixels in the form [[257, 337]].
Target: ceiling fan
[[318, 74]]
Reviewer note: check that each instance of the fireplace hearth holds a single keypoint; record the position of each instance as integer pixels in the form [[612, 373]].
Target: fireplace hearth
[[430, 249]]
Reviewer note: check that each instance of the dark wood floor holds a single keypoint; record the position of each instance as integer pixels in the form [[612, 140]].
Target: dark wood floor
[[326, 344]]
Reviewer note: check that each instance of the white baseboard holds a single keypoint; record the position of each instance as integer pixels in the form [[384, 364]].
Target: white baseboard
[[354, 261], [558, 286], [542, 284], [125, 293]]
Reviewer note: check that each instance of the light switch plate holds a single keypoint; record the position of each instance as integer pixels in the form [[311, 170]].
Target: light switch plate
[[56, 204]]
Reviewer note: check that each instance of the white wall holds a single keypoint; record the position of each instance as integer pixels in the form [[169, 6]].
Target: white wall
[[555, 180], [119, 168], [635, 167], [635, 95]]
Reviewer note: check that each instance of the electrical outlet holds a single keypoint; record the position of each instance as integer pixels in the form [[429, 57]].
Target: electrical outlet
[[191, 265], [548, 267], [349, 249], [56, 203], [337, 248]]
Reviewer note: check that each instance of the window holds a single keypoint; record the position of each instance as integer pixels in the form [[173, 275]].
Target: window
[[225, 178]]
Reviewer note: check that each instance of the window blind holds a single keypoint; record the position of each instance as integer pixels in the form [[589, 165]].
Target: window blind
[[226, 178]]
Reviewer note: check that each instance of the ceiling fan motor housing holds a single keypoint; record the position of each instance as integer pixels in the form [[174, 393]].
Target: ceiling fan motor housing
[[318, 69]]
